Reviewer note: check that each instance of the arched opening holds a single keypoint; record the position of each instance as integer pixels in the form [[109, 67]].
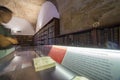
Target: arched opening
[[20, 26], [47, 12]]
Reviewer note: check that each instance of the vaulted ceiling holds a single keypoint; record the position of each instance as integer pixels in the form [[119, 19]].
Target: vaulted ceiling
[[27, 9], [77, 14]]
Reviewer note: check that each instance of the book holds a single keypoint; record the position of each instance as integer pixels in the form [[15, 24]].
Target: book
[[43, 63]]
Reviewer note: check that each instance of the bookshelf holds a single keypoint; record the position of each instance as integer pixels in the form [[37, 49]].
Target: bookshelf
[[46, 35], [93, 37], [24, 40]]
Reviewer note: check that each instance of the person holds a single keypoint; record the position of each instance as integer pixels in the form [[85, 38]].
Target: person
[[5, 37]]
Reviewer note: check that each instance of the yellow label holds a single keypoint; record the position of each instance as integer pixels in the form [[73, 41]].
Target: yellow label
[[42, 63], [80, 78]]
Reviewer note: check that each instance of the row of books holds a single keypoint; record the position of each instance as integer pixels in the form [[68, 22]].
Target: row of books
[[96, 37]]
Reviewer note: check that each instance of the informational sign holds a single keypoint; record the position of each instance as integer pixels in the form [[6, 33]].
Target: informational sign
[[95, 64], [42, 63]]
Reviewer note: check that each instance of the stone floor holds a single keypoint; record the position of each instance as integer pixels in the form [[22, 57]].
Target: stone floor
[[20, 67]]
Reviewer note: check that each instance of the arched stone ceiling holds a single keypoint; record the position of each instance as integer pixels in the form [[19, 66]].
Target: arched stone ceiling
[[77, 14], [27, 9]]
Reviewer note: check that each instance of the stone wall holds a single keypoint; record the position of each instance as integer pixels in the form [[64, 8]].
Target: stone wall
[[76, 15]]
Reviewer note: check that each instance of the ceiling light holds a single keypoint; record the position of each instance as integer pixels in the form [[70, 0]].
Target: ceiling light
[[16, 30]]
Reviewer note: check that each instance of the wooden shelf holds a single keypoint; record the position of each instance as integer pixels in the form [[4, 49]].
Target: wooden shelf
[[94, 37], [47, 33]]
